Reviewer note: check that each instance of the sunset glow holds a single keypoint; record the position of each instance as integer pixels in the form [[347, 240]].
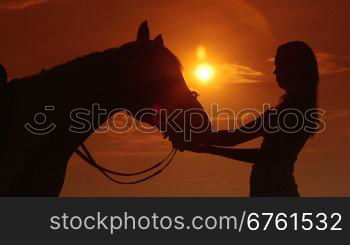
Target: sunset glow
[[201, 53], [226, 49], [204, 72]]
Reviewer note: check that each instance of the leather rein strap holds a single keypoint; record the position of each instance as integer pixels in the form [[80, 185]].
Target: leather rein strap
[[87, 157]]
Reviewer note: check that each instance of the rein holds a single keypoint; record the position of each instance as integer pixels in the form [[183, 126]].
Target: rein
[[163, 164]]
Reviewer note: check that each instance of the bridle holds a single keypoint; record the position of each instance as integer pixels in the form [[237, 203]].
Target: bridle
[[153, 171]]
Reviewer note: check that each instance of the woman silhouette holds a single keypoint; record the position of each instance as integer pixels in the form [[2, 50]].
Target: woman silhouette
[[284, 128]]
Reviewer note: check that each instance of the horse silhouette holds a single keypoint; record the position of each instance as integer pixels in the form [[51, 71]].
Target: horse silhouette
[[138, 75], [3, 76]]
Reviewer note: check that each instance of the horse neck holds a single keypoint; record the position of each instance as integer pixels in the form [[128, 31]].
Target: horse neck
[[68, 91], [100, 98]]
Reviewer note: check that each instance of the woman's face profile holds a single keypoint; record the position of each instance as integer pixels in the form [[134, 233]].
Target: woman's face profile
[[283, 72], [279, 72]]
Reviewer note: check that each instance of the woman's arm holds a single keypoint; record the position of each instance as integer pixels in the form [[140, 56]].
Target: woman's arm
[[244, 155], [246, 133], [232, 138]]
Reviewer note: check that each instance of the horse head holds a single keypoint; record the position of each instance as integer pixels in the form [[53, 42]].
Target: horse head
[[161, 95]]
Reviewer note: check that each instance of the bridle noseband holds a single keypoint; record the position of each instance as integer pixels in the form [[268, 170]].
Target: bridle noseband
[[154, 170]]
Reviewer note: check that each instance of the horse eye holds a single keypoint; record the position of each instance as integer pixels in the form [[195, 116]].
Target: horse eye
[[194, 94]]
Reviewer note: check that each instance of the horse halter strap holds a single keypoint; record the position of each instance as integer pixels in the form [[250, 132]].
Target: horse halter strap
[[159, 167]]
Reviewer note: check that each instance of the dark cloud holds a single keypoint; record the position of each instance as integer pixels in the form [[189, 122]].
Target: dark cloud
[[331, 64], [19, 4], [336, 114], [235, 73]]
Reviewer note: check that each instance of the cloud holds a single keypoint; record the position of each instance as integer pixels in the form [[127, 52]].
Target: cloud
[[329, 63], [234, 73], [336, 114], [332, 64], [19, 4]]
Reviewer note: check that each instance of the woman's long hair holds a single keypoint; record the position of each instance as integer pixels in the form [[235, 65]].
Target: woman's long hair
[[299, 62], [298, 58]]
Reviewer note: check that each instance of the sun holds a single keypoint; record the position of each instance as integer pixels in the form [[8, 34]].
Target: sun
[[204, 72]]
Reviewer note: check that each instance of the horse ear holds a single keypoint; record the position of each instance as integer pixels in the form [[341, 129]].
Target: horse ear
[[3, 75], [143, 32], [159, 40]]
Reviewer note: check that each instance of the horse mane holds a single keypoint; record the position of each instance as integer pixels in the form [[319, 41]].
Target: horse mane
[[163, 53], [79, 64], [96, 57]]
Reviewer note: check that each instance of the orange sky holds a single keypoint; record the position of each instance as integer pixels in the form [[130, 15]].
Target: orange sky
[[238, 34]]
